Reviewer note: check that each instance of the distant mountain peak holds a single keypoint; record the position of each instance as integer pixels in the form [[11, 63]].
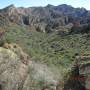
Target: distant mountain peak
[[49, 5], [48, 16], [11, 6]]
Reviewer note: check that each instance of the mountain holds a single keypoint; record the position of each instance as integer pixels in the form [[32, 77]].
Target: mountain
[[44, 48], [47, 19]]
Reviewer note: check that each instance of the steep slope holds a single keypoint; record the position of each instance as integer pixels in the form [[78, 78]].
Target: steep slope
[[47, 19], [52, 54], [16, 74]]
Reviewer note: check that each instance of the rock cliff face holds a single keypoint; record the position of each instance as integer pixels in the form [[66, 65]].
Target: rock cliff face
[[47, 19], [80, 75]]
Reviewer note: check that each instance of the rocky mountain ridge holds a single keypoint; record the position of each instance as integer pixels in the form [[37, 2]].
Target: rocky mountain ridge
[[48, 64], [47, 19]]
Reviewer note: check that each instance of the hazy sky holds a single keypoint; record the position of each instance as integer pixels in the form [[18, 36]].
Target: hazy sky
[[29, 3]]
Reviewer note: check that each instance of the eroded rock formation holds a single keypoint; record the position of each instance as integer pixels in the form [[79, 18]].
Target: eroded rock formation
[[79, 78]]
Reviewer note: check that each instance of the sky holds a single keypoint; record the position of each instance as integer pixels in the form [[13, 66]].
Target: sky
[[30, 3]]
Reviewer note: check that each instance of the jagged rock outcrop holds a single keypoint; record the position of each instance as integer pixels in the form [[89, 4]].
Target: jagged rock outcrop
[[3, 21], [47, 19], [79, 79]]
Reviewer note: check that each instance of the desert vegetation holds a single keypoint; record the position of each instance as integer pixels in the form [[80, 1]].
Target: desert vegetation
[[42, 48]]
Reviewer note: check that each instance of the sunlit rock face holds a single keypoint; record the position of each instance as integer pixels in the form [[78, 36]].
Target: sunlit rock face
[[47, 19]]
